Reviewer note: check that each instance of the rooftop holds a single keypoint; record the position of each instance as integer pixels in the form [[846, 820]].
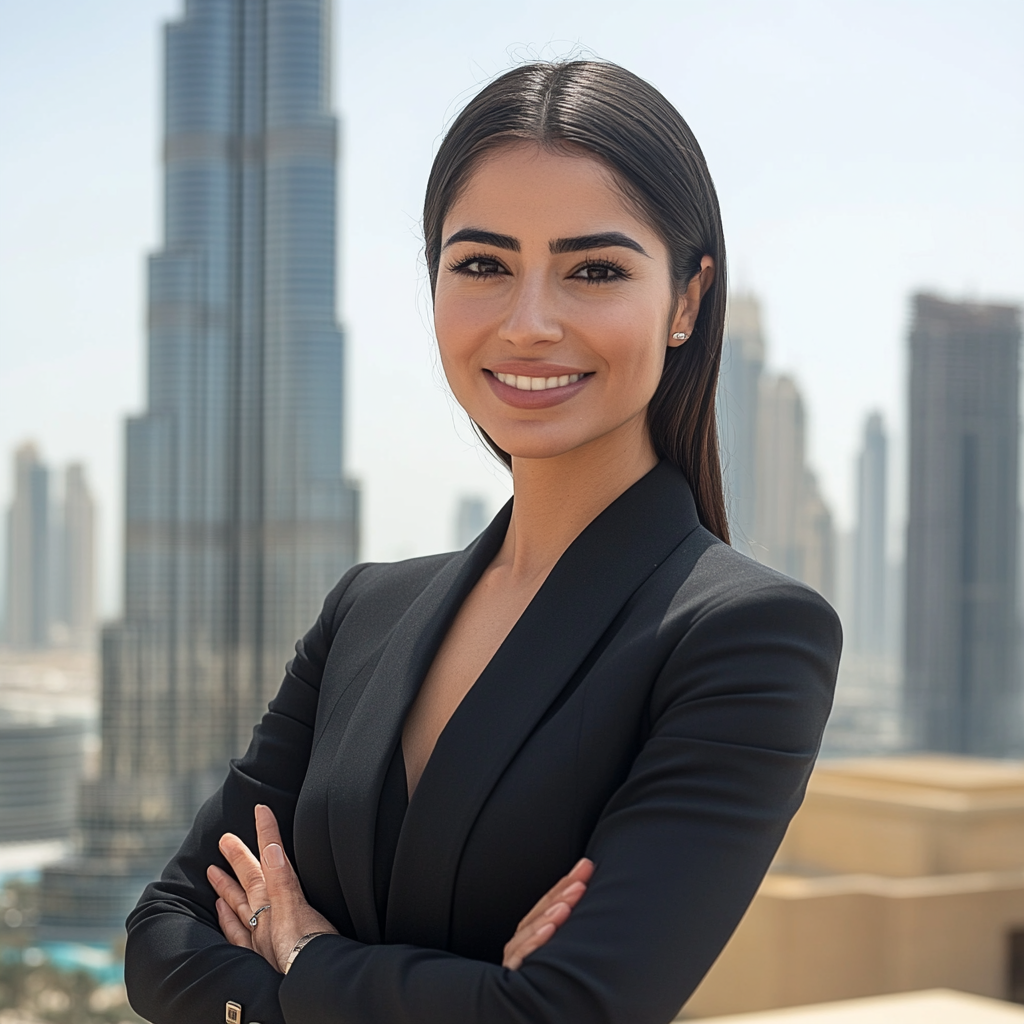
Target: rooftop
[[925, 780], [935, 1006]]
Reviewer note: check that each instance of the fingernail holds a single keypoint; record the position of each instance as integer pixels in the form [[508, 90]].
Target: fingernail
[[579, 864], [552, 909], [570, 890], [274, 855]]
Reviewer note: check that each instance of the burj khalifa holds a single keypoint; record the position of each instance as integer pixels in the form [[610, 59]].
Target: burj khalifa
[[238, 517]]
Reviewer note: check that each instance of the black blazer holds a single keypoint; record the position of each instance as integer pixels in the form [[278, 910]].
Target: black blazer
[[658, 707]]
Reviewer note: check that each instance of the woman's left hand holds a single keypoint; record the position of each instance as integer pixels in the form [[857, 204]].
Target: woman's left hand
[[270, 881]]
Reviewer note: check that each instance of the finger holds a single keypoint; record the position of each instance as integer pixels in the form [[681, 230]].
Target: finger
[[514, 961], [267, 830], [566, 888], [230, 891], [282, 883], [525, 939], [583, 871], [246, 868], [570, 895], [234, 931]]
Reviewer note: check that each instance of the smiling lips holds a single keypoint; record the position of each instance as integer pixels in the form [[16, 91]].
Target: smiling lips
[[537, 383], [528, 392]]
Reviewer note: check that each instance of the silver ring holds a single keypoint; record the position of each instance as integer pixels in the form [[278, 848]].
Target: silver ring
[[254, 920]]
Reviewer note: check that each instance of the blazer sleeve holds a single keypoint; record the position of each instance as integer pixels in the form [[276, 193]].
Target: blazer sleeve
[[178, 965], [737, 714]]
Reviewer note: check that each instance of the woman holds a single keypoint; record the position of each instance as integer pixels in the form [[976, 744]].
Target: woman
[[597, 695]]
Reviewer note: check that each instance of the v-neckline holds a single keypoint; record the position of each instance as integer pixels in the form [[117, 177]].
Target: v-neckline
[[411, 790], [574, 607]]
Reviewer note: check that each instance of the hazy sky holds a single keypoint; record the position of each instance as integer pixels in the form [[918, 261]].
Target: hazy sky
[[861, 150]]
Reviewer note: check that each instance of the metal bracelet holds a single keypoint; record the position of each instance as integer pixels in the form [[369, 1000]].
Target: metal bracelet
[[299, 946]]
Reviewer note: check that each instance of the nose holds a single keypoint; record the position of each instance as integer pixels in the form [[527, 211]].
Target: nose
[[532, 317]]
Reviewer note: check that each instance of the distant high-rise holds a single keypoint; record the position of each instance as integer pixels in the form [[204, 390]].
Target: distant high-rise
[[470, 520], [28, 553], [238, 519], [743, 355], [51, 541], [962, 688], [76, 587], [866, 713], [869, 626], [793, 529]]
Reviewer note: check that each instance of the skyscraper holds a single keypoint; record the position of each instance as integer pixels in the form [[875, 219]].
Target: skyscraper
[[866, 714], [868, 635], [75, 604], [743, 356], [28, 552], [238, 519], [793, 529], [962, 688]]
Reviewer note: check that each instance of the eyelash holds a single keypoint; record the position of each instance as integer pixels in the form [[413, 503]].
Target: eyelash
[[460, 267]]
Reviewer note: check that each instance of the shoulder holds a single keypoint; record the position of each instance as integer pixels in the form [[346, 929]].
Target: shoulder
[[746, 642], [710, 579], [382, 588]]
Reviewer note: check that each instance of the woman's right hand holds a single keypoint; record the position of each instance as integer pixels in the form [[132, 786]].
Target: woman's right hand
[[550, 912]]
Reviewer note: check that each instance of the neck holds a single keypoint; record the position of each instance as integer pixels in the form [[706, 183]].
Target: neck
[[557, 498]]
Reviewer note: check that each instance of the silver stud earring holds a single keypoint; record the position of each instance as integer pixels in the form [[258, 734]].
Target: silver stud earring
[[680, 336]]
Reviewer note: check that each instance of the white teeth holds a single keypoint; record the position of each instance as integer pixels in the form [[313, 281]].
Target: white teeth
[[521, 383]]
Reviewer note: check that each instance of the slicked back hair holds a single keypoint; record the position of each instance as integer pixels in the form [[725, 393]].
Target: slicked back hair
[[626, 123]]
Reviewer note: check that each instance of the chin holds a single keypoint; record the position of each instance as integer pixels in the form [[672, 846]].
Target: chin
[[536, 447]]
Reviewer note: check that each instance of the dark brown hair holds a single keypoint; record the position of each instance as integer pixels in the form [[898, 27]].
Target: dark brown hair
[[629, 125]]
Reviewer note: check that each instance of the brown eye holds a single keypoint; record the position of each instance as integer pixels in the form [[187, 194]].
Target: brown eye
[[598, 272], [479, 266]]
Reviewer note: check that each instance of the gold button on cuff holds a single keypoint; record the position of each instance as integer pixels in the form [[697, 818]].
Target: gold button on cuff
[[232, 1012]]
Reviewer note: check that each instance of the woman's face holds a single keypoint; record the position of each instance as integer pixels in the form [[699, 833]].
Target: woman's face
[[554, 303]]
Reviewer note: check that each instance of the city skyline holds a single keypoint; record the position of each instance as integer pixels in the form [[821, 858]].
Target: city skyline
[[806, 213], [238, 517]]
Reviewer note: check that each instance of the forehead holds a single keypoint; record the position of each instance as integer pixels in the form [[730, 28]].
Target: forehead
[[524, 189]]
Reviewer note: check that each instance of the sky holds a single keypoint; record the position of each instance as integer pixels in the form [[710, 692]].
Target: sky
[[862, 150]]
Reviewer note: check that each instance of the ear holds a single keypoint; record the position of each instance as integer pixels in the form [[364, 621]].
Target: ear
[[688, 305]]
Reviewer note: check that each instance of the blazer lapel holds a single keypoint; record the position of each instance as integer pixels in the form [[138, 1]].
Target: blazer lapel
[[579, 600], [365, 748]]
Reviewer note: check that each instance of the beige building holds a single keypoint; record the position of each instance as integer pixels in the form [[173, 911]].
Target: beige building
[[938, 1006], [897, 874]]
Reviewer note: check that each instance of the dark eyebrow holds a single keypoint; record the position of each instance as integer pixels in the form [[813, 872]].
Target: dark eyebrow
[[482, 237], [599, 241]]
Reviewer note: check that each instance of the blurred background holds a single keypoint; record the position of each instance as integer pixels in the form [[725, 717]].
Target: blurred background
[[219, 388]]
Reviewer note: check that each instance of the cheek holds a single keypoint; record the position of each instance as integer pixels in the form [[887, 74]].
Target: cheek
[[455, 333], [632, 345]]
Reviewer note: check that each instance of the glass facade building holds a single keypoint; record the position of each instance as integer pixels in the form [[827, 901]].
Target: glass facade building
[[869, 628], [41, 758], [962, 685], [743, 358], [238, 519], [28, 553]]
